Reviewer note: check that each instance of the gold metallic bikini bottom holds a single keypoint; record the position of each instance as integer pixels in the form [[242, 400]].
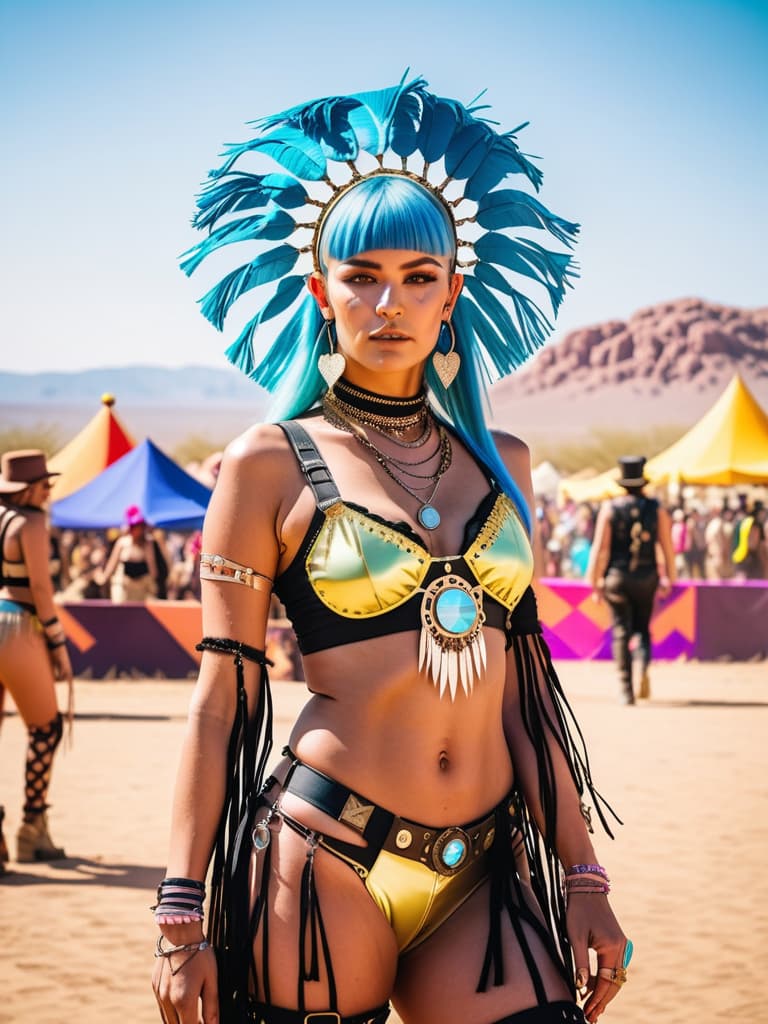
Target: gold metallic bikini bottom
[[417, 875]]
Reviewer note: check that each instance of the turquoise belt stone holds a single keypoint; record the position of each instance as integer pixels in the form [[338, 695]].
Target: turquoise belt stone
[[450, 851], [451, 645]]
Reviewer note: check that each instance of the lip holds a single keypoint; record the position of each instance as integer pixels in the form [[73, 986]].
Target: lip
[[387, 334]]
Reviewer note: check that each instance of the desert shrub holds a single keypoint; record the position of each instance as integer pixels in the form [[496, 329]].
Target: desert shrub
[[602, 446]]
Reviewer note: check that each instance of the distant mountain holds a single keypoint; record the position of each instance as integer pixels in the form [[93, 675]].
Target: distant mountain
[[185, 386], [666, 365]]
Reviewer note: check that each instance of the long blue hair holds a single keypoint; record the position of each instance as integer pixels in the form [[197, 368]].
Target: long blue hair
[[390, 212]]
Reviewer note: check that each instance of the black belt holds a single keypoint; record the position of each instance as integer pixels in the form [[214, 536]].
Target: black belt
[[258, 1013], [446, 850]]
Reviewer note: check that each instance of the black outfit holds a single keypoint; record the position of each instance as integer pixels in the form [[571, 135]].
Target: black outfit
[[631, 580]]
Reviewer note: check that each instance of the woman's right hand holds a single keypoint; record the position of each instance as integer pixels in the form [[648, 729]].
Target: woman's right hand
[[182, 981]]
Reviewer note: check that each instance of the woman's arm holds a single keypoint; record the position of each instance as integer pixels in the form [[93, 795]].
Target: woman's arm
[[601, 544], [35, 549], [243, 525], [114, 557], [552, 771]]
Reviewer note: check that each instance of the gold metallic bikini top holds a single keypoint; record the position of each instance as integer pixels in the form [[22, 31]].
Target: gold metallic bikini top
[[358, 576], [360, 566]]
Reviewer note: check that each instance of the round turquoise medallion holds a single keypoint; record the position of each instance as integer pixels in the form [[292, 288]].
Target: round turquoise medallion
[[429, 517], [453, 853], [455, 611]]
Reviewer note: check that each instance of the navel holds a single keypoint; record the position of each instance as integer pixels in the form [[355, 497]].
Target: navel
[[443, 761]]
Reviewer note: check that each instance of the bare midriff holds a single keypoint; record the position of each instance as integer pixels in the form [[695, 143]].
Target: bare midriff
[[378, 726]]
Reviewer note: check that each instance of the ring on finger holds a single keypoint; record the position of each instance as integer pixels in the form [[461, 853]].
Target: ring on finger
[[616, 975]]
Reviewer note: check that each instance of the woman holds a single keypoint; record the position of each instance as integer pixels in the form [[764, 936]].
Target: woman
[[397, 539], [132, 567], [33, 652]]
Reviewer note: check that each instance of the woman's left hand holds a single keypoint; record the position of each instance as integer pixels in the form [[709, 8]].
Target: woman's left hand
[[592, 925]]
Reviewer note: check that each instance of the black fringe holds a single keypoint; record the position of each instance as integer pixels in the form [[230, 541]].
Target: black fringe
[[537, 679], [250, 745]]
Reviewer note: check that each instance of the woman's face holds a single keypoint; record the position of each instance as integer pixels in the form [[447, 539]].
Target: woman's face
[[387, 306], [37, 494]]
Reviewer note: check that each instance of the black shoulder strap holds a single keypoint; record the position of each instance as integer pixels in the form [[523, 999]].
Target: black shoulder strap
[[5, 522], [312, 464]]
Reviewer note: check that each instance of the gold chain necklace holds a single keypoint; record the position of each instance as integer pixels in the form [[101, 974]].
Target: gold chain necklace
[[427, 515]]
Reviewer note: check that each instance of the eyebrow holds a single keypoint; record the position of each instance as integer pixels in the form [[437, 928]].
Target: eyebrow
[[372, 265]]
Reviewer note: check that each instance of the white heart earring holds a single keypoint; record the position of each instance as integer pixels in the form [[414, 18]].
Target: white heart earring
[[330, 364], [447, 365]]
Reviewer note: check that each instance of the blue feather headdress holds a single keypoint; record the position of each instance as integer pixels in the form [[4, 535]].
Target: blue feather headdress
[[323, 147]]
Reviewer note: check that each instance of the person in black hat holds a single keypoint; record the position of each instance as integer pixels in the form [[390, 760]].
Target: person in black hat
[[623, 569], [33, 651]]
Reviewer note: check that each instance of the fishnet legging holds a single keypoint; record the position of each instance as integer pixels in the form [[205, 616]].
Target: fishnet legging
[[43, 741]]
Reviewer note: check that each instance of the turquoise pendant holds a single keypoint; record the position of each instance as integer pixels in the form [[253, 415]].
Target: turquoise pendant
[[452, 645], [429, 517]]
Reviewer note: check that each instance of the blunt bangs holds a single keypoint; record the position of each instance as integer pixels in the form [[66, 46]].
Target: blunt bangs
[[386, 212]]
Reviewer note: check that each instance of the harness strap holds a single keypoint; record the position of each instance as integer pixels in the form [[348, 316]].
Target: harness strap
[[312, 464], [9, 581]]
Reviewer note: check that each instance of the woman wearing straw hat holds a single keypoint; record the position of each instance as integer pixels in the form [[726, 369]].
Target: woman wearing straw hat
[[33, 652], [408, 844]]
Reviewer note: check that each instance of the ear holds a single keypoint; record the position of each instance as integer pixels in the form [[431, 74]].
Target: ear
[[317, 289], [457, 283]]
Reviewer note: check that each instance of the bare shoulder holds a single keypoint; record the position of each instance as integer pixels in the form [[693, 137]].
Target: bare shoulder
[[515, 454], [32, 522]]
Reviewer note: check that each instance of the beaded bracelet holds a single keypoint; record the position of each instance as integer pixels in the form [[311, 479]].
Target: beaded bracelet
[[53, 644], [50, 622], [587, 869], [179, 901]]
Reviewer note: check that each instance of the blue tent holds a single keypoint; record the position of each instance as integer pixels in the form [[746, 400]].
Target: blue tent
[[146, 477]]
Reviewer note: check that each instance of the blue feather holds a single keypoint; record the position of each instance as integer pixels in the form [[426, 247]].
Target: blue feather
[[272, 226], [467, 150], [404, 134], [531, 318], [241, 191], [290, 147], [509, 208], [439, 120], [372, 120], [549, 269], [516, 346], [240, 352], [268, 266], [502, 158]]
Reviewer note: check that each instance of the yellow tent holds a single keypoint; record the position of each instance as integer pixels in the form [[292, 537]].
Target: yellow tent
[[728, 445], [100, 443]]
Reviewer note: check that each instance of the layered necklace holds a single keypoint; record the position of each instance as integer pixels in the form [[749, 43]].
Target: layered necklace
[[351, 408]]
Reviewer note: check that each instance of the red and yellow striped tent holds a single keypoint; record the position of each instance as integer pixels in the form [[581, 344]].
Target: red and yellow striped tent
[[100, 443]]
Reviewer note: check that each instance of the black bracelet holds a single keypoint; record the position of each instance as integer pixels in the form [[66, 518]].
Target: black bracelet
[[50, 622], [53, 644]]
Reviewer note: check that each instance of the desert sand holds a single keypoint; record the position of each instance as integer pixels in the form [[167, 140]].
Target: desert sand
[[687, 772]]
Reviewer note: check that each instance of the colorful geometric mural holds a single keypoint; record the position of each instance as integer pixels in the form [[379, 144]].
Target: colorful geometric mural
[[707, 621]]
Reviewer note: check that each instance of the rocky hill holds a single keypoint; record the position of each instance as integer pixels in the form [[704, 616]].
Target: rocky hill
[[666, 364]]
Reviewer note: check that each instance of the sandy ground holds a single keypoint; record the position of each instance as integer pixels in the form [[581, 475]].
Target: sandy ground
[[687, 772]]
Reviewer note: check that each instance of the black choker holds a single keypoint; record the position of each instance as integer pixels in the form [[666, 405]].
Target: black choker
[[363, 401]]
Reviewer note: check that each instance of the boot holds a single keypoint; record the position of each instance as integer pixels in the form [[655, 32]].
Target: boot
[[645, 685], [33, 840]]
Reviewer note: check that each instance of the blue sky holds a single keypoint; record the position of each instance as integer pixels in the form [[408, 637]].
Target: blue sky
[[650, 119]]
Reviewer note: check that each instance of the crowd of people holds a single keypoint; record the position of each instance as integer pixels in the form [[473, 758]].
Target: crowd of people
[[727, 540]]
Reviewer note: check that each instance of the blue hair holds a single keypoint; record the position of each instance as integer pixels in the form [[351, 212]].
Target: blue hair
[[389, 212], [386, 211]]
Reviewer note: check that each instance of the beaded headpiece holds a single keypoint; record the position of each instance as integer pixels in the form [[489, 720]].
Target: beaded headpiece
[[328, 146]]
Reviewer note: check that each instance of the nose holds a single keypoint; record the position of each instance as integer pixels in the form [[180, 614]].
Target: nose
[[388, 307]]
